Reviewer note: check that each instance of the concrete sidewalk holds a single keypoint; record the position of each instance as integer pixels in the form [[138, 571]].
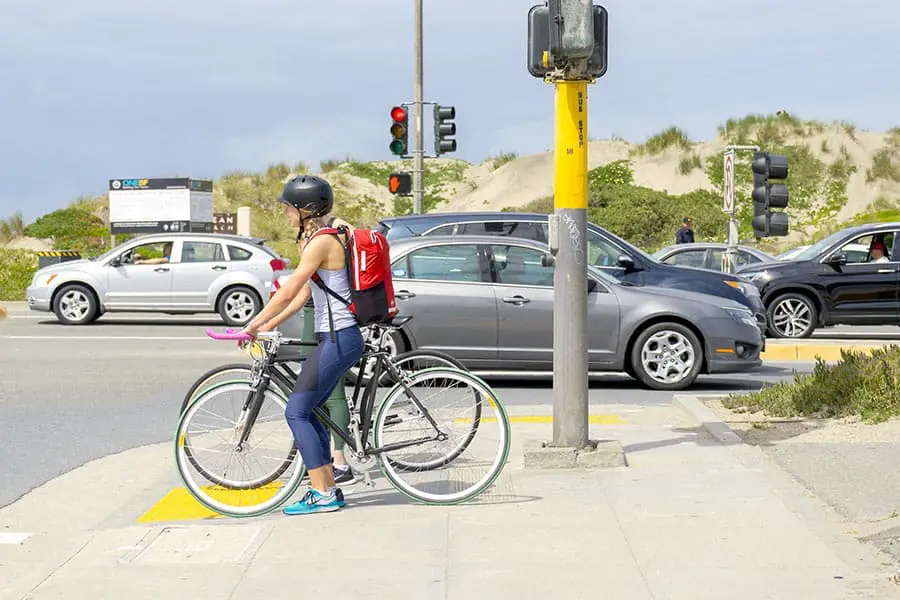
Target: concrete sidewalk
[[688, 518]]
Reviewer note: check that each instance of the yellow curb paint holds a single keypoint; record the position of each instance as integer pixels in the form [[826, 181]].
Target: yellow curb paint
[[592, 419], [809, 352], [179, 505]]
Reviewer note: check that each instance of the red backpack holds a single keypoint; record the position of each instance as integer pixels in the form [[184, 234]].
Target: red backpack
[[369, 270]]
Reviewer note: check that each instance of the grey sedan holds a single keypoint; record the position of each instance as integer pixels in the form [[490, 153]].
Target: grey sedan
[[488, 302], [709, 255], [168, 273]]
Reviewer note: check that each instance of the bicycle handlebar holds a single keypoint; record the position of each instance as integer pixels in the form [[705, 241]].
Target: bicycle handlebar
[[229, 334]]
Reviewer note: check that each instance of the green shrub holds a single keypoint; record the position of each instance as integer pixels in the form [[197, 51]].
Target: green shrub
[[662, 141], [72, 229], [689, 163], [859, 384], [17, 267]]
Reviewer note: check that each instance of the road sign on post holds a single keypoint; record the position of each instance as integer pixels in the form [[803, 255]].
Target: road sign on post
[[728, 201]]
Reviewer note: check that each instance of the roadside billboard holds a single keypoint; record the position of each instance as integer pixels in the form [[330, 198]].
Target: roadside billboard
[[160, 205]]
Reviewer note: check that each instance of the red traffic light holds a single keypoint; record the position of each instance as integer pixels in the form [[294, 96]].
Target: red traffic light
[[398, 113]]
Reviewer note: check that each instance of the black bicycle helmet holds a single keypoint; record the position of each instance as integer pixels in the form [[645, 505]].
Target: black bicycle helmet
[[309, 193]]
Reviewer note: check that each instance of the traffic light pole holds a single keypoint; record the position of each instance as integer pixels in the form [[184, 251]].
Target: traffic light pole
[[419, 152], [570, 364]]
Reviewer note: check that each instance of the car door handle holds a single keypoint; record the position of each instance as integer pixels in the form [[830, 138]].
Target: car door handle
[[887, 270], [219, 268], [518, 300], [161, 269], [404, 295]]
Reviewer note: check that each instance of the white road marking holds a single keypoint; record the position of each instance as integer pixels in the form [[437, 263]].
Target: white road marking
[[100, 337], [14, 539]]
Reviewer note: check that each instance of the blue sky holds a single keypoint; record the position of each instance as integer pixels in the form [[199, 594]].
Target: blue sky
[[97, 89]]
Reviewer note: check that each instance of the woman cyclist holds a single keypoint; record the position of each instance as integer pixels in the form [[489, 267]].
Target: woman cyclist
[[308, 199]]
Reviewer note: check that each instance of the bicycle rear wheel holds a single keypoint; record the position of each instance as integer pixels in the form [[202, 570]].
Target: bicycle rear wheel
[[454, 469], [235, 490]]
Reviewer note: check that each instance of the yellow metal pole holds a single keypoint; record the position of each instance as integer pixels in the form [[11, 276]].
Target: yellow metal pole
[[570, 153], [570, 325]]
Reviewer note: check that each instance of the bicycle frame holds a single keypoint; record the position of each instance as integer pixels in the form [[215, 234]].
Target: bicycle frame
[[361, 403]]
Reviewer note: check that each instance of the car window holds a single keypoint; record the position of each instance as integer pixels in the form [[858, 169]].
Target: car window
[[235, 253], [443, 230], [453, 262], [743, 258], [600, 252], [688, 258], [194, 252], [154, 250], [521, 266], [520, 229], [859, 249]]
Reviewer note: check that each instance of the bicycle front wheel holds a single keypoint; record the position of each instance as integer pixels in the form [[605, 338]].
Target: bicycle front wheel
[[474, 437], [237, 480]]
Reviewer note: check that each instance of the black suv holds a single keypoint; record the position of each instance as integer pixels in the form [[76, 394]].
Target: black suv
[[834, 281], [605, 250]]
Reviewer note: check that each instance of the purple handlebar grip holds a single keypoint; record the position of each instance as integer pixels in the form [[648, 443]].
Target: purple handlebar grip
[[229, 334]]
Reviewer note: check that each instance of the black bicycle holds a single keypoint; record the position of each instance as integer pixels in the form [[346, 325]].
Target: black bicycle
[[429, 457]]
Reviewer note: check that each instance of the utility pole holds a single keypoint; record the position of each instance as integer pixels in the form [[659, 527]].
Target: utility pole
[[568, 48], [419, 152]]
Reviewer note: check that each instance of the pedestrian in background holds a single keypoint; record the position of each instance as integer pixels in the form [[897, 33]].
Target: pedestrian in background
[[3, 312], [685, 234]]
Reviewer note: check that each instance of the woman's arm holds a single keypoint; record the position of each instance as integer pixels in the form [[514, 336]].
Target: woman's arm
[[296, 304]]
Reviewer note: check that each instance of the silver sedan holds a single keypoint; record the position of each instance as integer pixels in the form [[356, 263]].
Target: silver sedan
[[488, 302]]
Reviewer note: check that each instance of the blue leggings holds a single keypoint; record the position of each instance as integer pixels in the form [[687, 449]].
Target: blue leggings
[[322, 371]]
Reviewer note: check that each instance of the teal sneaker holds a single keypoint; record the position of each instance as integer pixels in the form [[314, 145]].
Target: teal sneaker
[[314, 501]]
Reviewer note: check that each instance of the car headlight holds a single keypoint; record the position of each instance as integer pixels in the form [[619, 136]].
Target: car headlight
[[743, 315]]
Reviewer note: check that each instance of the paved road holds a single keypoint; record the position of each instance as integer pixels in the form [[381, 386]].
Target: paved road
[[69, 395]]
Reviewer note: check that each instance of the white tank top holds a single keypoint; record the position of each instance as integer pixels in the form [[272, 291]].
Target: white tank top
[[338, 282]]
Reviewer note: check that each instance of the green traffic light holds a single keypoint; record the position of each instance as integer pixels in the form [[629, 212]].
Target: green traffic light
[[398, 147]]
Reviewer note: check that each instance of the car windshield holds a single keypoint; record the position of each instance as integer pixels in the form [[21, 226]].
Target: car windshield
[[628, 246], [817, 248]]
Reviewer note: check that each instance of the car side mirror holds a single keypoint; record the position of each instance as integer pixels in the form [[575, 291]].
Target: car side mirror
[[591, 285], [548, 260], [838, 259], [116, 261], [626, 262]]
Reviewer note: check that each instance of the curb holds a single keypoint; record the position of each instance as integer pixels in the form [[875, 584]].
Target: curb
[[810, 352], [707, 419]]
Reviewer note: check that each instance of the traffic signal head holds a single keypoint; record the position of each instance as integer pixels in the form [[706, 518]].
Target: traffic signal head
[[399, 130], [400, 183], [443, 129], [767, 196]]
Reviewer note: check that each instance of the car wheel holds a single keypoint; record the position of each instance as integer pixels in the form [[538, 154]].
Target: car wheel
[[75, 304], [667, 356], [393, 343], [238, 305], [792, 316]]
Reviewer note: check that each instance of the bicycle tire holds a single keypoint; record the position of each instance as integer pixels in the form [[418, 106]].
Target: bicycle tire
[[414, 354], [496, 468], [211, 503], [278, 472]]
